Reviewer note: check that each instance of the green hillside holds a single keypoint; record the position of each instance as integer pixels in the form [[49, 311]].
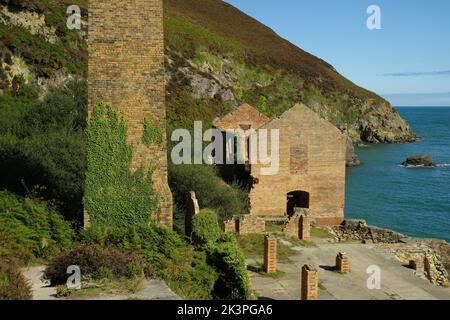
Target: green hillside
[[216, 57]]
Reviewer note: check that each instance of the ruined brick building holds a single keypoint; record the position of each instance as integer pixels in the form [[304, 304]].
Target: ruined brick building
[[126, 70], [312, 157]]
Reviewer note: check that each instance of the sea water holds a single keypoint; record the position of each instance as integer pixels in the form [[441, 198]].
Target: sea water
[[413, 201]]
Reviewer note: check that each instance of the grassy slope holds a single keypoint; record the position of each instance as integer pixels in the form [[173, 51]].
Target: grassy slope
[[193, 27], [259, 43], [258, 55]]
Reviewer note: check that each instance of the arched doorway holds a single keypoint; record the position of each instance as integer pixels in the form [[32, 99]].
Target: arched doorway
[[297, 199]]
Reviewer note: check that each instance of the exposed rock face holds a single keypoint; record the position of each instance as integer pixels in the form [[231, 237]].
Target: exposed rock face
[[352, 159], [30, 20], [419, 161]]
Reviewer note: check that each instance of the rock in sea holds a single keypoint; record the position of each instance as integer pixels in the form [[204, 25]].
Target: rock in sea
[[419, 161]]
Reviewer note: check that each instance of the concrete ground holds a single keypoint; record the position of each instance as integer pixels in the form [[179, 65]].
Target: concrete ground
[[397, 281]]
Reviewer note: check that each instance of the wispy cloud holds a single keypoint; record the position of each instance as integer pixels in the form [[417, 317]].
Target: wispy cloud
[[417, 74]]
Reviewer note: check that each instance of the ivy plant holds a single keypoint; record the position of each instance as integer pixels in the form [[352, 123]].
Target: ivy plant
[[114, 196]]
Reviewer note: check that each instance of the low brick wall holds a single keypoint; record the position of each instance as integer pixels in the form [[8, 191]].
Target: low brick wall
[[249, 224]]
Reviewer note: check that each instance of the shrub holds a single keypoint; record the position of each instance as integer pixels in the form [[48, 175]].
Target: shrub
[[205, 227], [13, 285], [103, 273], [42, 143], [185, 270], [31, 229], [134, 270], [114, 196], [94, 261], [225, 199], [229, 261]]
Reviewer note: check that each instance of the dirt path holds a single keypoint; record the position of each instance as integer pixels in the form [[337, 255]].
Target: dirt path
[[41, 290]]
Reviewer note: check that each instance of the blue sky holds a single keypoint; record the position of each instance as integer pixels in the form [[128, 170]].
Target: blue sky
[[407, 61]]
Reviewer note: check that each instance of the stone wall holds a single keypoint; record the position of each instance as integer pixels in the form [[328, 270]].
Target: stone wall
[[434, 269], [126, 70], [312, 159], [246, 224], [251, 225], [359, 230], [230, 226]]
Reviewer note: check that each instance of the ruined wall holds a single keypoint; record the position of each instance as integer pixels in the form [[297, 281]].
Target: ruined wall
[[312, 159], [126, 70]]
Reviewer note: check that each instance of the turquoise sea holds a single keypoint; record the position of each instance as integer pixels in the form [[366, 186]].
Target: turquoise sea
[[413, 201]]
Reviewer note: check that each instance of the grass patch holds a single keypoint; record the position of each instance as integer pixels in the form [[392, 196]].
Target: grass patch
[[107, 287], [253, 246], [274, 227], [321, 233]]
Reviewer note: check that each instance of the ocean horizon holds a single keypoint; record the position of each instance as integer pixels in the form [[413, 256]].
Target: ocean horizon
[[412, 201]]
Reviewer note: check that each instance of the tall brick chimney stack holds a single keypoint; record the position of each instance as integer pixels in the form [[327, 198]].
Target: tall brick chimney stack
[[126, 70]]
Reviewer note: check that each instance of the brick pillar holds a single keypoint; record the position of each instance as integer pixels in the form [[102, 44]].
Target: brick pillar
[[310, 283], [270, 254], [342, 263], [304, 226]]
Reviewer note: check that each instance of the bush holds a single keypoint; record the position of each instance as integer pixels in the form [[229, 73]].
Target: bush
[[185, 270], [31, 229], [211, 190], [229, 261], [42, 143], [95, 261], [13, 285], [103, 273], [205, 227]]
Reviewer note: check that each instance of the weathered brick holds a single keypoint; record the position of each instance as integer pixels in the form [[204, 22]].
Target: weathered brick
[[126, 70]]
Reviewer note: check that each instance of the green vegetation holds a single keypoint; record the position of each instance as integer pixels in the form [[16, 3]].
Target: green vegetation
[[321, 233], [97, 262], [42, 145], [13, 285], [152, 133], [253, 246], [184, 269], [114, 196], [205, 227], [44, 58], [233, 282], [211, 191], [30, 230]]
